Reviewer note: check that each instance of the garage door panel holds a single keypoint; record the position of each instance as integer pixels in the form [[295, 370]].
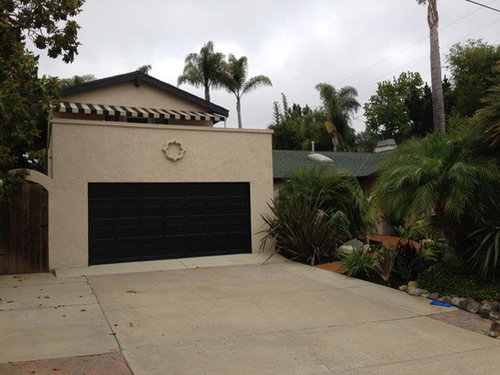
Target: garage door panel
[[144, 221]]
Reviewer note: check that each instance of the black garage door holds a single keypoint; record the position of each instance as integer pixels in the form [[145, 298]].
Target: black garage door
[[147, 221]]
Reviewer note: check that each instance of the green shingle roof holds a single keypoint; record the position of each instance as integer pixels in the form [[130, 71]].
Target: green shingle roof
[[360, 164]]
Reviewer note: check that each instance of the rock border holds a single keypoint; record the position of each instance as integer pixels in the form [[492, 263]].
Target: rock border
[[485, 309]]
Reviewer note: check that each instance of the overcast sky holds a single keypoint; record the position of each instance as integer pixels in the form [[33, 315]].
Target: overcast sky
[[297, 43]]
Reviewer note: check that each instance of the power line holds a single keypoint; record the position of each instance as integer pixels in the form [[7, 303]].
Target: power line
[[402, 50], [483, 5]]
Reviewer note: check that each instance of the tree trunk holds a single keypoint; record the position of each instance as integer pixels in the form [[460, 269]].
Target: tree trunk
[[436, 80], [238, 110], [207, 93], [335, 142]]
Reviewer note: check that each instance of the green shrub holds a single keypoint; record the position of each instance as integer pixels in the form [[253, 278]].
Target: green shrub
[[410, 262], [357, 263], [305, 233], [447, 280], [314, 213]]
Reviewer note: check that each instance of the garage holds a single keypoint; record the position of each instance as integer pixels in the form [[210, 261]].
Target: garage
[[148, 221], [140, 170]]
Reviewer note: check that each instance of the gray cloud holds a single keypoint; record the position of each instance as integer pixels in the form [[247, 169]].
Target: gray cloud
[[296, 43]]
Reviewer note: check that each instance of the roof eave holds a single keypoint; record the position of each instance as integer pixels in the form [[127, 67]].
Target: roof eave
[[140, 78]]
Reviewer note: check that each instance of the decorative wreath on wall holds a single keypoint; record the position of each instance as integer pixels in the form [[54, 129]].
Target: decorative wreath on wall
[[173, 150]]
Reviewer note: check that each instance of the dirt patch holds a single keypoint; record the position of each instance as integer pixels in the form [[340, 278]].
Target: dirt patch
[[102, 364]]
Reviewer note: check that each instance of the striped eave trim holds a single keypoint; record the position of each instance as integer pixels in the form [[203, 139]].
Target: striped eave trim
[[120, 110]]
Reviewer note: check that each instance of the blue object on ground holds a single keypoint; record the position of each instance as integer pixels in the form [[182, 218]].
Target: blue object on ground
[[437, 303]]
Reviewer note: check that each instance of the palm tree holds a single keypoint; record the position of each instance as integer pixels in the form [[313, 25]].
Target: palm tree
[[436, 81], [235, 81], [203, 69], [448, 176], [339, 106], [76, 80], [144, 69]]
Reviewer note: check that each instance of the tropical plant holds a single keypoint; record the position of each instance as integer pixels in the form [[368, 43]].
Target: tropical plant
[[76, 80], [482, 244], [203, 69], [339, 106], [410, 261], [436, 79], [449, 176], [303, 231], [144, 69], [339, 191], [357, 263], [383, 262], [490, 114], [315, 212], [234, 80]]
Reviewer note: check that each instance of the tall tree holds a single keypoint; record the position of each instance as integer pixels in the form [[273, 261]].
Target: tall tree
[[436, 80], [49, 26], [235, 81], [339, 106], [400, 108], [472, 66], [203, 69]]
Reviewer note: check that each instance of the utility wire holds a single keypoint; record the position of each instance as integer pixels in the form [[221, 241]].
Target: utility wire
[[483, 5], [402, 50]]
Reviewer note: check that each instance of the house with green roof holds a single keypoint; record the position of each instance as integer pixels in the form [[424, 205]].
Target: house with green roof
[[363, 165]]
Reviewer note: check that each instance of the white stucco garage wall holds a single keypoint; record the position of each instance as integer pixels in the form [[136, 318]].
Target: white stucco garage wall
[[84, 151]]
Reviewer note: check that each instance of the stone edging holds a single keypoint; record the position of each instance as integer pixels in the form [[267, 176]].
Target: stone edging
[[487, 310]]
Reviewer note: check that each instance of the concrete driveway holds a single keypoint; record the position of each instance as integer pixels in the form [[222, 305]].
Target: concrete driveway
[[279, 318]]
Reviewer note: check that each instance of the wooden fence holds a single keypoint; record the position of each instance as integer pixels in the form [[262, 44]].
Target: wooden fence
[[24, 231]]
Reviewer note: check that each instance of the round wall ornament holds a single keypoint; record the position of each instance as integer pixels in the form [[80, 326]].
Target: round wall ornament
[[173, 150]]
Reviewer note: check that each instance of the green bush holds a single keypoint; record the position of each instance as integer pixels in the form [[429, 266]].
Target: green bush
[[358, 263], [447, 280], [314, 213]]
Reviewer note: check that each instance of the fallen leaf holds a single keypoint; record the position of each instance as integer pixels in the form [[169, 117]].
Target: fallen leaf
[[131, 324], [57, 369], [46, 297], [82, 310], [40, 304], [112, 350], [112, 334]]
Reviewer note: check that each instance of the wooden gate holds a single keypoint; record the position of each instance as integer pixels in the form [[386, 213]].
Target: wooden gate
[[24, 231]]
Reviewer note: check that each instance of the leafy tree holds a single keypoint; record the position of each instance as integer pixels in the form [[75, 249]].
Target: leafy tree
[[339, 106], [234, 80], [48, 25], [472, 70], [436, 80], [76, 80], [203, 69], [400, 108], [296, 127], [144, 69]]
